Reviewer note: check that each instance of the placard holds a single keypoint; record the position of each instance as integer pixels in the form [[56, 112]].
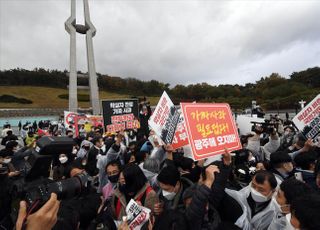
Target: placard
[[164, 119], [308, 119], [211, 128], [120, 115]]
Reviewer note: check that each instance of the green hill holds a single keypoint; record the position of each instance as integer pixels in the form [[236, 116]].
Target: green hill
[[47, 88], [46, 97]]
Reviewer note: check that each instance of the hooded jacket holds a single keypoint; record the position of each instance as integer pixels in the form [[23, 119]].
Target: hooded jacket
[[260, 221]]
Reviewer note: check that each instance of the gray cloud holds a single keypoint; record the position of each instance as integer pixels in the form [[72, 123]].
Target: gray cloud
[[179, 42]]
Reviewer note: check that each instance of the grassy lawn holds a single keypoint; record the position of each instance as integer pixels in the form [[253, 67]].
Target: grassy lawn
[[43, 97]]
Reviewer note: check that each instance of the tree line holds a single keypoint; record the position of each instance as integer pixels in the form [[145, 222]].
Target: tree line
[[271, 92]]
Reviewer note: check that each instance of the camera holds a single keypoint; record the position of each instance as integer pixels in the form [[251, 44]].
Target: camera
[[264, 127], [36, 187], [39, 192]]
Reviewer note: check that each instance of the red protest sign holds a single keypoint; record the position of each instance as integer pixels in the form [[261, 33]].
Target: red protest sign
[[211, 128], [180, 138]]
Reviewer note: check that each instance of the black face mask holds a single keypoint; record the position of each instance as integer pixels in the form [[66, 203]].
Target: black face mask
[[114, 178], [122, 188]]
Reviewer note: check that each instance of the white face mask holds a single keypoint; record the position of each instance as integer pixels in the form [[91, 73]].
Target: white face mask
[[74, 151], [168, 195], [289, 225], [257, 196], [63, 159], [277, 206], [103, 148], [7, 160]]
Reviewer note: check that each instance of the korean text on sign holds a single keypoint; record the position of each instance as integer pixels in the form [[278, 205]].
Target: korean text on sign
[[211, 129]]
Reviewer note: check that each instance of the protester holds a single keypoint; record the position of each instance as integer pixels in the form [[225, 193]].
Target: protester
[[10, 137], [251, 207], [31, 137], [113, 169], [289, 190], [92, 156], [132, 185], [62, 170], [258, 188], [282, 166], [305, 212]]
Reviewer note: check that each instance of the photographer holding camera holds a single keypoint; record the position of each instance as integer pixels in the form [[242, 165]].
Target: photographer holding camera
[[44, 218], [262, 152]]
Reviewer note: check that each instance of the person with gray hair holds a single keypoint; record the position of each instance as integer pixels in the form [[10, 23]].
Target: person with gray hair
[[150, 168]]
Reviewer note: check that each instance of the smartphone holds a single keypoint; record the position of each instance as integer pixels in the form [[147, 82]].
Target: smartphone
[[298, 176]]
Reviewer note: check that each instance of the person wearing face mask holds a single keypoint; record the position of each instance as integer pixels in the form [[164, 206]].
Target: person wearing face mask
[[115, 152], [306, 165], [113, 169], [132, 185], [62, 170], [305, 213], [84, 149], [251, 207], [172, 186], [289, 190], [282, 166], [91, 166], [12, 157]]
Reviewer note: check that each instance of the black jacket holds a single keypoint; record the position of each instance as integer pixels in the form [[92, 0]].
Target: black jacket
[[91, 166], [196, 213], [9, 138]]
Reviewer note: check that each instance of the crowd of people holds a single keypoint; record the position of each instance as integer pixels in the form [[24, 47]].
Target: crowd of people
[[272, 183]]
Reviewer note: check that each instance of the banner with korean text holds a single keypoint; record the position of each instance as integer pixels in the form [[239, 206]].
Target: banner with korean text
[[211, 128], [308, 119], [120, 115], [180, 138], [164, 119]]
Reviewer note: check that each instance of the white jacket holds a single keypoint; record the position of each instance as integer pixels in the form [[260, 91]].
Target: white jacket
[[260, 221]]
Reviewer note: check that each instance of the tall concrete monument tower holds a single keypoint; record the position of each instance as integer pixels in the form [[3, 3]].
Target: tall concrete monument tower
[[89, 30]]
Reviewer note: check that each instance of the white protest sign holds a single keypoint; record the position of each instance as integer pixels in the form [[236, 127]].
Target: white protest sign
[[164, 119], [137, 215], [308, 119]]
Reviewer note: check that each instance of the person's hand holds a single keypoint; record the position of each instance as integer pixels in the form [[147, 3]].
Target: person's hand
[[151, 222], [44, 218], [15, 173], [201, 163], [307, 145], [169, 150], [210, 177], [226, 157], [124, 225], [158, 208]]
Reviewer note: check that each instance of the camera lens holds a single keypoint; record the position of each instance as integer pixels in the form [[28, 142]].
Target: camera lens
[[70, 187]]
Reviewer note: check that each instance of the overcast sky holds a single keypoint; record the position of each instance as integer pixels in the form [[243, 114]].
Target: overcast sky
[[177, 42]]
